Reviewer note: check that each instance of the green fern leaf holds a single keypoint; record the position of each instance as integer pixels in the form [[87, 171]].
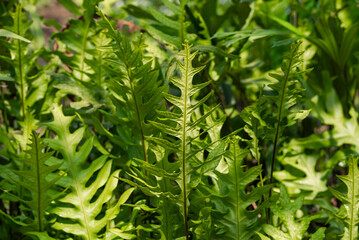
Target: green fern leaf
[[28, 125], [348, 212], [34, 180], [183, 128], [286, 95], [240, 222], [135, 93], [286, 210], [286, 90], [311, 184], [84, 202], [171, 29]]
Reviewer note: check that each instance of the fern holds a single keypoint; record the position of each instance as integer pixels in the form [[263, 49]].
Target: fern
[[84, 74], [168, 29], [135, 91], [286, 210], [287, 95], [35, 180], [80, 30], [348, 212], [309, 185], [157, 184], [179, 124], [18, 59], [240, 222], [83, 214], [255, 127], [28, 126], [20, 29], [22, 55]]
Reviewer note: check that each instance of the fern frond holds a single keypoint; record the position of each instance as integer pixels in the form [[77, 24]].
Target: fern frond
[[313, 181], [135, 91], [287, 95], [240, 222], [19, 57], [254, 127], [180, 124], [84, 200], [20, 28], [34, 179], [28, 125], [77, 38], [348, 212], [286, 210], [170, 29]]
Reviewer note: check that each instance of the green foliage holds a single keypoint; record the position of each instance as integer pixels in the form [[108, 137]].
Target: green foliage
[[135, 93], [164, 27], [286, 95], [348, 212], [180, 126], [307, 180], [241, 223], [34, 179], [286, 210], [178, 119], [83, 195]]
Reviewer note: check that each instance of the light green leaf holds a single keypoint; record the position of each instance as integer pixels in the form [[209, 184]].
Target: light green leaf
[[7, 33], [285, 210], [4, 77], [84, 207], [348, 213], [35, 181], [240, 222]]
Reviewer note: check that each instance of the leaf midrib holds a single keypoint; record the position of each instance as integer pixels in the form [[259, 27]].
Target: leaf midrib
[[184, 143], [38, 183], [84, 41], [19, 48], [77, 185], [138, 114], [237, 191], [280, 112], [352, 223]]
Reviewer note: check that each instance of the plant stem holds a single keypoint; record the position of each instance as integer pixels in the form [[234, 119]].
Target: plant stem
[[184, 144], [6, 122], [257, 155], [20, 67], [286, 78], [237, 191], [280, 117], [99, 68], [38, 182], [83, 54], [183, 4]]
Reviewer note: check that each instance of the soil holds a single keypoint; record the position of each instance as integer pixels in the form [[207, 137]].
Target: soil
[[57, 12]]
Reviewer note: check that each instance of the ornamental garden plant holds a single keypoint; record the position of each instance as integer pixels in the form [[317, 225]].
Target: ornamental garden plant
[[178, 119]]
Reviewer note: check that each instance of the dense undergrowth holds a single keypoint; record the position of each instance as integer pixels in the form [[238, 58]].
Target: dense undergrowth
[[205, 119]]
